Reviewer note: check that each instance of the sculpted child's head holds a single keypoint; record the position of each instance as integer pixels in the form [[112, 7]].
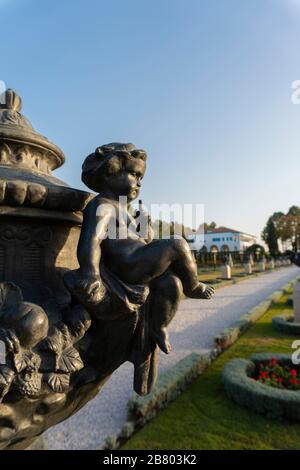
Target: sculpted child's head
[[117, 167]]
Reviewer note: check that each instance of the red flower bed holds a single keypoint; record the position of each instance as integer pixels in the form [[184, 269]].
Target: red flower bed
[[276, 375]]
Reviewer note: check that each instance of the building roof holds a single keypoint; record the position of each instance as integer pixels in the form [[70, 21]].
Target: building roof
[[221, 230], [227, 230]]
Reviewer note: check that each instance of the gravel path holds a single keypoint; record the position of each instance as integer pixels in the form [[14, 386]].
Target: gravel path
[[193, 330]]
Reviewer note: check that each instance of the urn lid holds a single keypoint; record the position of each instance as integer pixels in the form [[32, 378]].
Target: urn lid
[[27, 159], [15, 127]]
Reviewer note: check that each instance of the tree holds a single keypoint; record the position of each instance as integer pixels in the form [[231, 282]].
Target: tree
[[256, 250], [289, 228], [270, 233], [271, 237], [210, 226], [294, 210]]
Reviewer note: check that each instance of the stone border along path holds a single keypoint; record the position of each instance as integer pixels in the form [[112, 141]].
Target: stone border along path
[[193, 330]]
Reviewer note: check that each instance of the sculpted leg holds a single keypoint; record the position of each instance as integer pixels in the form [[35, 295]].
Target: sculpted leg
[[153, 260], [166, 292]]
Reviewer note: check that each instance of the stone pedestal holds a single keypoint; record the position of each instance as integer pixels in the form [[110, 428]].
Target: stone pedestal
[[296, 302], [271, 264], [248, 268], [262, 266], [226, 272], [230, 261]]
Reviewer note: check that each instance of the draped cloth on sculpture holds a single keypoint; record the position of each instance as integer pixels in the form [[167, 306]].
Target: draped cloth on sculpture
[[136, 298], [131, 296]]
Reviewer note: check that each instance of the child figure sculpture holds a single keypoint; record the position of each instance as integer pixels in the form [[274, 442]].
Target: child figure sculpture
[[129, 266]]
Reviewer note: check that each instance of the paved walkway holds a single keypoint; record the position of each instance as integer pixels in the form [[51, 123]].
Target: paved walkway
[[193, 330]]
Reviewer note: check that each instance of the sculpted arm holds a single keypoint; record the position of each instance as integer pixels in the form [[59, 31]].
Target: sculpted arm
[[94, 229]]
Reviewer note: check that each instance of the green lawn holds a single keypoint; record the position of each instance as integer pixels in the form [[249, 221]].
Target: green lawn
[[204, 418]]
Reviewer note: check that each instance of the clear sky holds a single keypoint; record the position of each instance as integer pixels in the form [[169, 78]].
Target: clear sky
[[203, 85]]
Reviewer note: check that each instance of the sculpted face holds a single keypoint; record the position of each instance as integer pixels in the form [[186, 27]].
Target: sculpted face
[[127, 182]]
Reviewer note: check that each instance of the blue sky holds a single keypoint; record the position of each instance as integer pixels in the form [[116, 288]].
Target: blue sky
[[203, 85]]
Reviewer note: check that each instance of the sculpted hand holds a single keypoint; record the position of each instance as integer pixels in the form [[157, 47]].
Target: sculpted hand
[[88, 288], [11, 341], [92, 288]]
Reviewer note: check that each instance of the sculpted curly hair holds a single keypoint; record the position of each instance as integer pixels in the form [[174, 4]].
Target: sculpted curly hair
[[107, 160]]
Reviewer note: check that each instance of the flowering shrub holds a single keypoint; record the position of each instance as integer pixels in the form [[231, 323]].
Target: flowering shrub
[[276, 375]]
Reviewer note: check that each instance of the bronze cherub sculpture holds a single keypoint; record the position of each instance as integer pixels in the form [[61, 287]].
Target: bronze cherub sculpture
[[125, 272]]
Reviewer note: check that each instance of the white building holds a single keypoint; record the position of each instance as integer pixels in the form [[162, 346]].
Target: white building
[[220, 239]]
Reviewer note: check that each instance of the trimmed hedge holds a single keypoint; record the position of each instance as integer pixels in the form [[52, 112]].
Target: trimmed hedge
[[258, 397], [285, 324]]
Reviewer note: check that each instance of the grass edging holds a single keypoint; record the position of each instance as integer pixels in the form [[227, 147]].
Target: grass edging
[[171, 383], [228, 336]]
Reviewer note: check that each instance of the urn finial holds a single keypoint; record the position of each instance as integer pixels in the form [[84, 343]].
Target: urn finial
[[15, 129], [12, 101]]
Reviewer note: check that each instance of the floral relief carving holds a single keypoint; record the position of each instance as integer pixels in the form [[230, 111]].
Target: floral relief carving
[[28, 370]]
